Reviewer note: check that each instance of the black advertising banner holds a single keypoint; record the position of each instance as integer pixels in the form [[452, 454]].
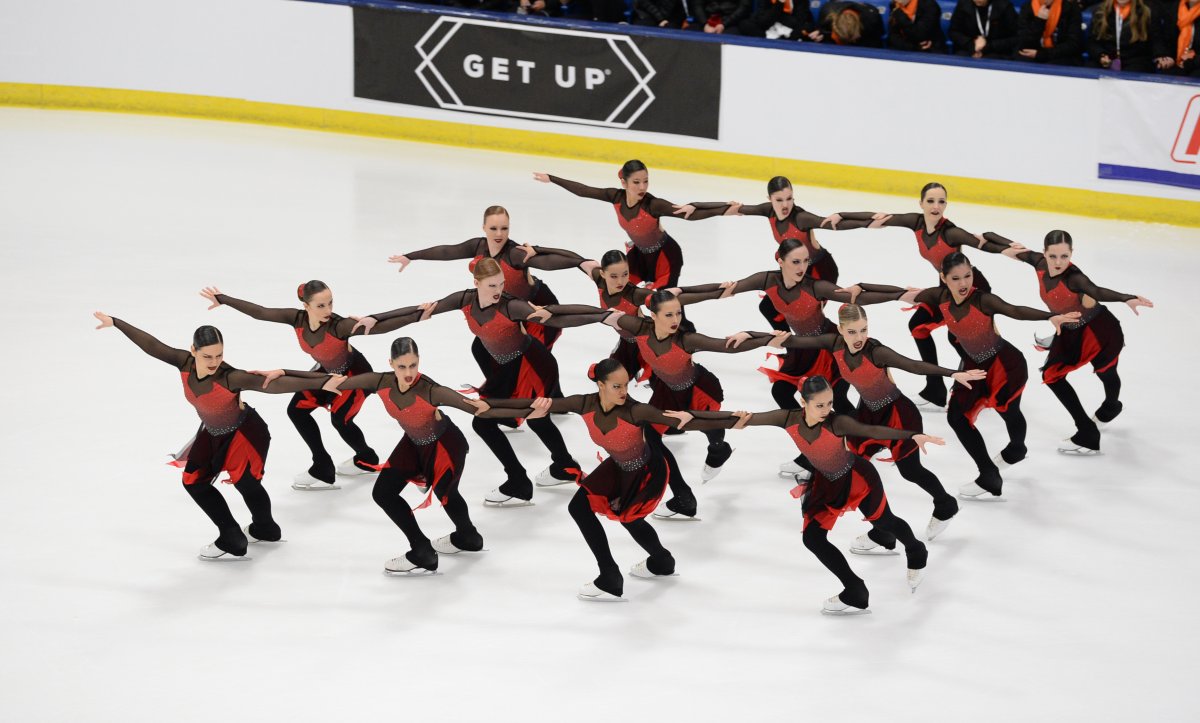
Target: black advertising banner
[[540, 72]]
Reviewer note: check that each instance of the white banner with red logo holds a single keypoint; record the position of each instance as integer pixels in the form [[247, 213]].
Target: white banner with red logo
[[1150, 132]]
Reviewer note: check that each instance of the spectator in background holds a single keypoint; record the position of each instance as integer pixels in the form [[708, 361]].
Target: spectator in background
[[719, 16], [499, 6], [1180, 28], [843, 22], [984, 28], [916, 25], [605, 11], [1050, 31], [659, 13], [1123, 38], [779, 20]]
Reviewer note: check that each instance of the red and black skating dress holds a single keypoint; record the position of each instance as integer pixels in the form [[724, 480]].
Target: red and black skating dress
[[880, 401], [678, 383], [842, 480], [1095, 339], [799, 225], [232, 437], [972, 323], [654, 256], [518, 281]]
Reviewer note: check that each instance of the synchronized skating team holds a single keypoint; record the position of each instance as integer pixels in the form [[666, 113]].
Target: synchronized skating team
[[516, 319]]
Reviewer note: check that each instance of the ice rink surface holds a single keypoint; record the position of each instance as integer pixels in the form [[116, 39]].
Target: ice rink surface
[[1070, 599]]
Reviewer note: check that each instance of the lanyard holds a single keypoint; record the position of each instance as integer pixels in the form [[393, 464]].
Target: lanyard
[[1120, 23], [984, 25]]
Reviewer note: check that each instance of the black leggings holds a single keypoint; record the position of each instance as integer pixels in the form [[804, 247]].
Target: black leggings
[[767, 308], [911, 469], [518, 484], [1069, 399], [386, 493], [230, 537], [973, 442], [322, 467], [610, 580], [854, 592]]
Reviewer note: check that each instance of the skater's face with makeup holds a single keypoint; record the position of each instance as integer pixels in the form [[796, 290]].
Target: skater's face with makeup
[[208, 358], [959, 280], [406, 368], [616, 277], [614, 390], [636, 184], [933, 203], [668, 317], [490, 289], [795, 265], [782, 201], [495, 227], [818, 407], [1058, 258], [854, 333], [320, 306]]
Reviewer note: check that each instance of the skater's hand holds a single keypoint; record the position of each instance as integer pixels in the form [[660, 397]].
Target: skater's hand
[[1139, 301], [268, 376], [686, 210], [683, 417], [971, 375], [334, 381], [1059, 319], [612, 319], [210, 293], [1013, 251], [924, 439], [854, 291], [541, 177], [367, 323], [401, 259], [480, 405], [733, 341], [427, 309], [675, 290], [910, 296], [104, 319], [743, 419], [589, 266], [541, 407], [832, 220], [539, 315], [735, 209], [530, 252], [727, 289], [780, 337], [878, 220]]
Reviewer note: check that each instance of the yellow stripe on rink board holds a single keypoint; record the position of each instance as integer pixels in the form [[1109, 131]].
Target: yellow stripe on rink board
[[739, 165]]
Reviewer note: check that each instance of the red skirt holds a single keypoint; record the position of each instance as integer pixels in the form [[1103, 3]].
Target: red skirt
[[542, 296], [858, 489], [1006, 378], [900, 414], [241, 453], [346, 404], [660, 267], [1098, 342], [532, 374], [800, 364], [704, 395], [625, 495], [437, 466]]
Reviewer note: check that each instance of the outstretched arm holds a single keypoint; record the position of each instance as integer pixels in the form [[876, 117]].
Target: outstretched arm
[[845, 220], [254, 311], [693, 342], [862, 294], [758, 209], [1011, 249], [552, 259], [446, 397], [524, 407], [290, 383], [820, 341], [883, 356], [147, 343], [773, 418], [692, 420], [849, 426], [1081, 284], [580, 189], [992, 304]]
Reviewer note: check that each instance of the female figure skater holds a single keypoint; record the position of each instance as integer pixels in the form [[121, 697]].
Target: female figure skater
[[968, 313], [629, 483], [937, 238], [325, 336], [611, 276], [654, 257], [866, 364], [432, 449], [1095, 339], [515, 261], [679, 384], [789, 221], [842, 481], [232, 437], [517, 365]]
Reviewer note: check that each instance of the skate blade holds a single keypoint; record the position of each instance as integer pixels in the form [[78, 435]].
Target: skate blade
[[268, 542], [554, 482], [600, 598], [986, 497], [225, 558], [457, 551], [928, 408], [651, 576], [1078, 452], [416, 572], [358, 473], [314, 488], [675, 518], [513, 502], [875, 552], [512, 430], [848, 612]]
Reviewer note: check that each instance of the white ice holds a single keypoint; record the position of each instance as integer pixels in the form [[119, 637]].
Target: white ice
[[1071, 599]]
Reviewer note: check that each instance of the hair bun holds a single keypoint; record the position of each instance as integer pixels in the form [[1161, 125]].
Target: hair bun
[[592, 372], [300, 292]]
